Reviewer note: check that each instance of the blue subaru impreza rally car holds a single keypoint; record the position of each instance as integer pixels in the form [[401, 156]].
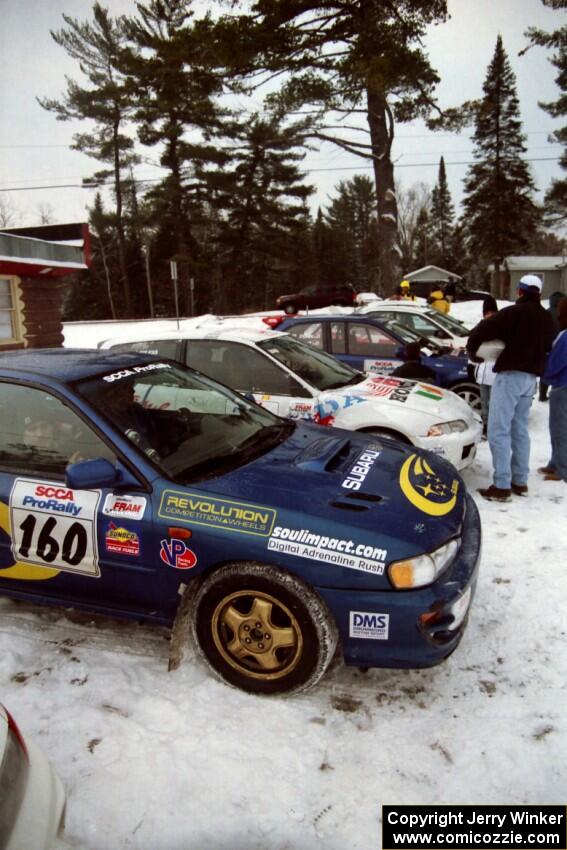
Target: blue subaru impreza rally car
[[138, 488]]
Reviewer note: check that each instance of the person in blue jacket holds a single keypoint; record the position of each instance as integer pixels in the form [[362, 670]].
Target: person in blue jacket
[[556, 376]]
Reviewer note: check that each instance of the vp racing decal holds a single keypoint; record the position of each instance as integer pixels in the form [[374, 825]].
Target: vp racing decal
[[217, 513], [53, 529], [176, 554], [331, 550], [425, 490]]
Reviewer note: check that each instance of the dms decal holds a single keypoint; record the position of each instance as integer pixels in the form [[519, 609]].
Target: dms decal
[[121, 540], [124, 507], [175, 554], [217, 513], [332, 550], [53, 528], [367, 626], [360, 470], [425, 490]]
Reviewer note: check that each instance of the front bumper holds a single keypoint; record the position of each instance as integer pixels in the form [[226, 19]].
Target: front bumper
[[459, 448], [389, 629]]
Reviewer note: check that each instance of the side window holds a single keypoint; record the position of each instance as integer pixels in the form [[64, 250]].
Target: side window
[[370, 341], [239, 366], [338, 343], [210, 356], [253, 372], [39, 435], [309, 332]]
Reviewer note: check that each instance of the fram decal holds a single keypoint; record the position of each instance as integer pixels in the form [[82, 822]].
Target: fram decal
[[126, 507], [218, 513], [360, 470], [121, 540], [425, 490], [176, 554], [367, 626]]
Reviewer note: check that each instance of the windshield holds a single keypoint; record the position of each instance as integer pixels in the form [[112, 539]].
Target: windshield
[[449, 323], [316, 367], [190, 427]]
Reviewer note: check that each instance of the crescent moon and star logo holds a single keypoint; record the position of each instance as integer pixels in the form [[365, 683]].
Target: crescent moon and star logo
[[18, 570], [425, 490]]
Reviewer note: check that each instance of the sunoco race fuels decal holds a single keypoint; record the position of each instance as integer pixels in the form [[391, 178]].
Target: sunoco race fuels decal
[[54, 526], [360, 470], [219, 513], [332, 550]]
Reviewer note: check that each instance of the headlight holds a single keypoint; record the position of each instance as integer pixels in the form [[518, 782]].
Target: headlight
[[447, 428], [423, 569]]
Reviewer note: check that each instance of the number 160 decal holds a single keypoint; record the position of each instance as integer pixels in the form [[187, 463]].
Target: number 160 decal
[[54, 526]]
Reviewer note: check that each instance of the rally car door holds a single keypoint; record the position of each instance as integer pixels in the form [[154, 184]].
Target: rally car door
[[93, 547]]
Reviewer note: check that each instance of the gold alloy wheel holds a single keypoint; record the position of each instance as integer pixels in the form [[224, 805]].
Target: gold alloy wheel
[[257, 635]]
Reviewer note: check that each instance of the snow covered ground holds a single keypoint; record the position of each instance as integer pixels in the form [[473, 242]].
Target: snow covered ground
[[178, 761]]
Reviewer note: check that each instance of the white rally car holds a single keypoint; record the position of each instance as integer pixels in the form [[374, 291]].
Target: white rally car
[[294, 380]]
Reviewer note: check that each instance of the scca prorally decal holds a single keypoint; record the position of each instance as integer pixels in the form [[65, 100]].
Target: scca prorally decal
[[367, 626], [218, 513], [49, 497], [121, 540], [331, 550], [176, 554], [125, 507], [425, 490], [54, 527], [134, 370], [381, 366], [360, 470]]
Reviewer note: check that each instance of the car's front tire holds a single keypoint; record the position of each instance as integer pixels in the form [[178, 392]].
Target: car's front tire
[[290, 309], [263, 630]]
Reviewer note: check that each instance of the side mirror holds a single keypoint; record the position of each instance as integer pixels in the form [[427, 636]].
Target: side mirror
[[91, 474]]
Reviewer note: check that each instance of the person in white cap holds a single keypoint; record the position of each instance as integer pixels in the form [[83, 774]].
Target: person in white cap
[[526, 330]]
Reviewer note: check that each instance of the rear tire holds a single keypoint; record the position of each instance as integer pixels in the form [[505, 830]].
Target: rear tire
[[263, 630]]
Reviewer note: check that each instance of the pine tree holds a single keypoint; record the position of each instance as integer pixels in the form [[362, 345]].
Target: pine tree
[[352, 218], [352, 61], [442, 216], [556, 196], [261, 199], [500, 212], [104, 100], [176, 110]]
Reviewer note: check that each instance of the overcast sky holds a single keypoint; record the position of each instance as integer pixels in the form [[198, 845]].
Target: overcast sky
[[34, 145]]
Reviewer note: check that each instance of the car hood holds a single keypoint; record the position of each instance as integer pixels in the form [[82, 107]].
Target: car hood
[[405, 499], [401, 394]]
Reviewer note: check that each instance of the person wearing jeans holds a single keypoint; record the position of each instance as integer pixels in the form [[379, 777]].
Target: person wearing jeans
[[526, 330], [556, 377]]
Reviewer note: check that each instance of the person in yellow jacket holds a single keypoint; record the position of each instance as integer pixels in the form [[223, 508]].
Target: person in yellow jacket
[[438, 301], [406, 292]]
